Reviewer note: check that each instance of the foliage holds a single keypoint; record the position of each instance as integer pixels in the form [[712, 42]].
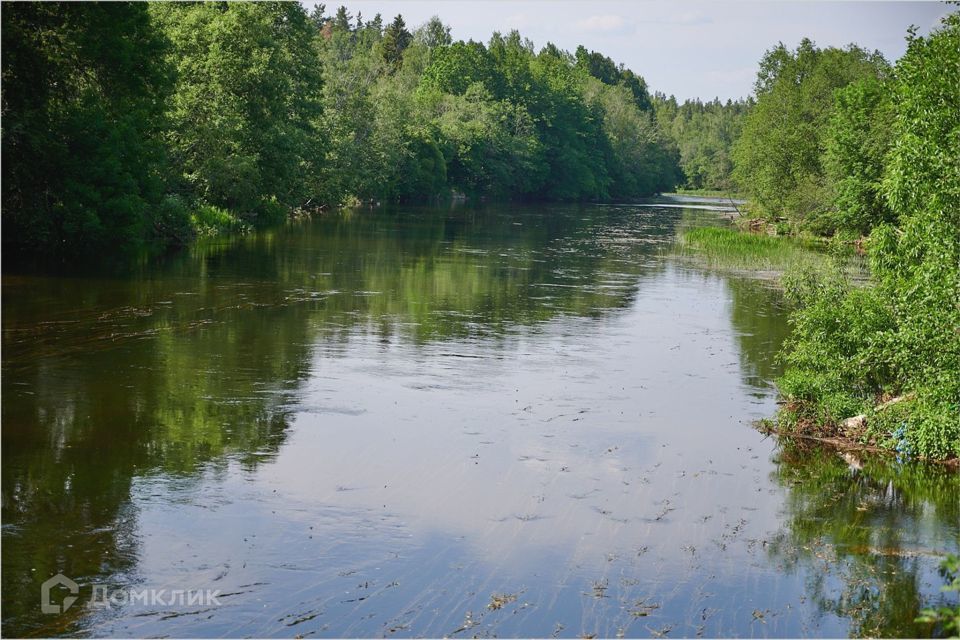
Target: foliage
[[491, 145], [840, 325], [641, 159], [396, 39], [244, 112], [83, 91], [857, 141], [120, 120], [853, 347], [609, 73], [704, 134], [209, 220], [455, 67], [839, 510], [945, 618], [778, 158]]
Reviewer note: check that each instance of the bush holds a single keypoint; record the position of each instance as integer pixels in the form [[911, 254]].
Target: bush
[[209, 220], [270, 211], [172, 224]]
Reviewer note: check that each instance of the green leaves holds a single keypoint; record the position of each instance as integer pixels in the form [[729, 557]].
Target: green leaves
[[245, 110], [859, 135], [127, 123], [779, 156], [901, 335], [83, 94]]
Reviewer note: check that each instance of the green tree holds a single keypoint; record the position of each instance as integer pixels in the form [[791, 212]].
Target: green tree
[[704, 134], [396, 39], [853, 346], [433, 34], [917, 263], [244, 113], [779, 155], [641, 160], [341, 21], [857, 141], [84, 87], [455, 67], [492, 145], [608, 72]]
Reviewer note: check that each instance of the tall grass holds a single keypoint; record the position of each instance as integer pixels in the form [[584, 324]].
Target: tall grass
[[709, 193], [734, 249]]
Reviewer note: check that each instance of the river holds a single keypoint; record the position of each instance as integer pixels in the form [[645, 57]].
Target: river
[[505, 421]]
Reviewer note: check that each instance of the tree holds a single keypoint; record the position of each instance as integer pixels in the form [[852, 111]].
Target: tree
[[246, 104], [704, 134], [641, 160], [853, 345], [84, 86], [608, 72], [455, 67], [341, 21], [396, 39], [318, 16], [778, 158], [858, 138], [433, 34], [917, 263], [491, 145]]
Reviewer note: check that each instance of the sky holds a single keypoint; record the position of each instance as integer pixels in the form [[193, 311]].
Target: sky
[[684, 48]]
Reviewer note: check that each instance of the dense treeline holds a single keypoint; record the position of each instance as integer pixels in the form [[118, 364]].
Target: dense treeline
[[817, 128], [129, 124], [83, 104], [704, 134], [841, 143]]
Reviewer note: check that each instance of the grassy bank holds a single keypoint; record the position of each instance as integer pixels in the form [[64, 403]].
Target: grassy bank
[[846, 381]]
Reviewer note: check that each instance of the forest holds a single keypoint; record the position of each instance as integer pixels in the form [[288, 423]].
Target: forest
[[129, 125]]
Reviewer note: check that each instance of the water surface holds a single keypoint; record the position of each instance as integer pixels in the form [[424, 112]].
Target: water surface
[[510, 422]]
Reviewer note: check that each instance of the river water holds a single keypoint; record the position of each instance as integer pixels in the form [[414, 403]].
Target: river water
[[497, 422]]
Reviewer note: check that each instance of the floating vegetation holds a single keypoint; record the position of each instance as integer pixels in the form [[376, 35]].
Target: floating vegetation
[[642, 609], [497, 600], [600, 588]]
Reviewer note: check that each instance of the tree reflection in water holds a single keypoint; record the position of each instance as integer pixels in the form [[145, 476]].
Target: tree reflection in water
[[854, 524]]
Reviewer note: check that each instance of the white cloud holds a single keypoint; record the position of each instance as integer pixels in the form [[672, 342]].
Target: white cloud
[[605, 23]]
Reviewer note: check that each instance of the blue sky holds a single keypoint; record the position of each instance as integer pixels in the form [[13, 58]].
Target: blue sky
[[689, 49]]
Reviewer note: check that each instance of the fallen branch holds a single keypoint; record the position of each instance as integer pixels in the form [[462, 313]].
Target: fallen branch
[[847, 444]]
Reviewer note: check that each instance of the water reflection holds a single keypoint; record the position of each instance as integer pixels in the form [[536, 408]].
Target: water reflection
[[110, 379], [868, 533], [369, 423]]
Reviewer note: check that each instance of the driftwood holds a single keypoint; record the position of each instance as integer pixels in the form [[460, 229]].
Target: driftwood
[[847, 445]]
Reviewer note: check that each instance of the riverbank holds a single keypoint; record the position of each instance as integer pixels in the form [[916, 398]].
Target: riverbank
[[834, 312]]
